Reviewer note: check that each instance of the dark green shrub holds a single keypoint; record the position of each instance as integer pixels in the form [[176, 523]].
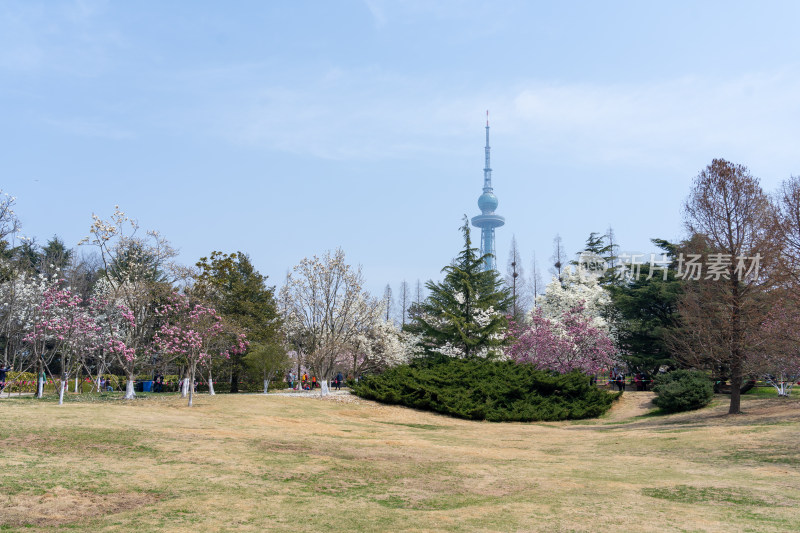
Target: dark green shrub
[[498, 391], [682, 390]]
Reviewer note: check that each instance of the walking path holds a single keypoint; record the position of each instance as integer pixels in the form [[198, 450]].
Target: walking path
[[311, 394]]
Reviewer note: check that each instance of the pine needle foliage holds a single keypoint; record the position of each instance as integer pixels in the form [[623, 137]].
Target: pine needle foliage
[[497, 391], [683, 390], [465, 314]]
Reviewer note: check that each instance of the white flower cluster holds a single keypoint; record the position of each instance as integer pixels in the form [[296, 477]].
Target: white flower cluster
[[576, 288]]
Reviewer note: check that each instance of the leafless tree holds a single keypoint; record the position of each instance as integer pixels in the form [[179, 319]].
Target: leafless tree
[[405, 300], [731, 223], [388, 301], [558, 258], [536, 285], [515, 279], [613, 248], [325, 309], [787, 225], [9, 223]]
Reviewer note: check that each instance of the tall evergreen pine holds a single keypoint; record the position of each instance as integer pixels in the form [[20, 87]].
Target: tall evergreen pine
[[467, 310]]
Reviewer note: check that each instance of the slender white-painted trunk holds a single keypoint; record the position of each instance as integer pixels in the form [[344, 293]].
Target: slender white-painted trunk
[[782, 384], [210, 383], [184, 387], [130, 394], [62, 385], [76, 383], [40, 387], [324, 391], [266, 386]]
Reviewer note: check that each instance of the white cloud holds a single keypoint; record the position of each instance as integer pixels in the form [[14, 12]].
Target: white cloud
[[368, 114], [645, 122]]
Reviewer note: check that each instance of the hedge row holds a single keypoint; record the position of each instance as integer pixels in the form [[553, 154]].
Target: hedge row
[[488, 390]]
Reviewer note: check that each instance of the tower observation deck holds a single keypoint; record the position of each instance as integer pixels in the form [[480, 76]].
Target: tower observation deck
[[487, 203]]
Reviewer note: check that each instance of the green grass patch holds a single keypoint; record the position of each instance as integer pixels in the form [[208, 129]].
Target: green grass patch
[[766, 391], [416, 426], [703, 495]]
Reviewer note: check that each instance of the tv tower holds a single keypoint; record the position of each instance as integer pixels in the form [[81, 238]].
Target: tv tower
[[487, 203]]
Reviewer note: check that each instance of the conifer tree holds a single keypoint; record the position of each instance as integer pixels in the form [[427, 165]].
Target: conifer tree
[[464, 314]]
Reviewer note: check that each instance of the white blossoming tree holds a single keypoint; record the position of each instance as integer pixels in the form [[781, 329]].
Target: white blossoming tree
[[379, 347], [325, 309], [576, 288], [137, 270]]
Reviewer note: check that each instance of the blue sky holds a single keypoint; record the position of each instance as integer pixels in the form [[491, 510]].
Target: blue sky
[[284, 129]]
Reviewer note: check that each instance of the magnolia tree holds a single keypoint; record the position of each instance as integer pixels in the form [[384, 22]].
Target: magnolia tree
[[21, 296], [565, 343], [9, 223], [137, 271], [325, 308], [63, 325], [118, 324], [380, 347], [577, 288], [190, 332]]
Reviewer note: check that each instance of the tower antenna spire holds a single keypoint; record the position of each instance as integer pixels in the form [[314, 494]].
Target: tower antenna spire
[[488, 220]]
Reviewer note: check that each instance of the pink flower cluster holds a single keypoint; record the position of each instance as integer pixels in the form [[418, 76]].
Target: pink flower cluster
[[193, 330], [567, 343]]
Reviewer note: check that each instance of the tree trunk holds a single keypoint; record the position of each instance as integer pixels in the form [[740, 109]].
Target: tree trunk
[[191, 384], [76, 383], [130, 394], [63, 384], [234, 379], [185, 384], [324, 391], [39, 381], [736, 388], [210, 383], [737, 355], [266, 385]]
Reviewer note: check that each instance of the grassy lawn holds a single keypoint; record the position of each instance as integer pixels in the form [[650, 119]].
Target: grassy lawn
[[278, 463]]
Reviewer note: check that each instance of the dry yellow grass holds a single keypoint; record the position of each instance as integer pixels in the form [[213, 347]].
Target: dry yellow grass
[[277, 463]]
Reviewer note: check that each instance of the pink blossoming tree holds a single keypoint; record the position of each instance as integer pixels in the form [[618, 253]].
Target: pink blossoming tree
[[564, 343], [62, 326], [191, 331]]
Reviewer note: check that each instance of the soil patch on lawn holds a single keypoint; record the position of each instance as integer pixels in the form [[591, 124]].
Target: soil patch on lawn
[[59, 506]]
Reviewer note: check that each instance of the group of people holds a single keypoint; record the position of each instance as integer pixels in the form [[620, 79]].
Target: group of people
[[617, 379], [311, 383]]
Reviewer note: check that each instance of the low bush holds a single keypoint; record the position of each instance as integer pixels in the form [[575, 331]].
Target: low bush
[[498, 391], [682, 390]]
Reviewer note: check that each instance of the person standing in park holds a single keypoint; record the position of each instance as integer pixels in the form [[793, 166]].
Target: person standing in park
[[339, 379], [3, 372]]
